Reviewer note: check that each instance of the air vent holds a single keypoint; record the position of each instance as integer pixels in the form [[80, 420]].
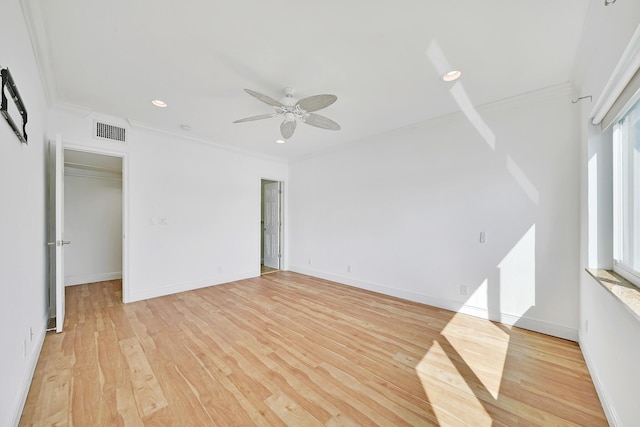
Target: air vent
[[110, 132]]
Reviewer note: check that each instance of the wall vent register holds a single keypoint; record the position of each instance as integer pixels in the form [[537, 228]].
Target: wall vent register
[[110, 132]]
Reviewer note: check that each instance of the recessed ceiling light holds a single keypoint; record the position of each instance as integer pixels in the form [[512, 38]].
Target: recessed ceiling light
[[451, 76], [280, 141], [159, 103]]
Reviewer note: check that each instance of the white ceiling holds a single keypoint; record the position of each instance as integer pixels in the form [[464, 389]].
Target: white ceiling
[[115, 56]]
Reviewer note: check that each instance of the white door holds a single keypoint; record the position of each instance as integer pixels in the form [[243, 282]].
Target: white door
[[58, 225], [272, 225]]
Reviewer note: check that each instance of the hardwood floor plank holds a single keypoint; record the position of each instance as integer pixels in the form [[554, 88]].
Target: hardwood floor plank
[[130, 416], [290, 412], [55, 393], [286, 349], [147, 391]]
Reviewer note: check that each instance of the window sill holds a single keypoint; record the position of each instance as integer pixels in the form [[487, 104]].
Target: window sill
[[623, 290]]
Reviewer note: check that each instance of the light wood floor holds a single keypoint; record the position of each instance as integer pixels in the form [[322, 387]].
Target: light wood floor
[[267, 270], [287, 349]]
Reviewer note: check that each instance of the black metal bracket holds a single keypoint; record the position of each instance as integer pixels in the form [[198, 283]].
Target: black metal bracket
[[9, 88]]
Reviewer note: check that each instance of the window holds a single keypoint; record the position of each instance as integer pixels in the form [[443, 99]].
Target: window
[[626, 195]]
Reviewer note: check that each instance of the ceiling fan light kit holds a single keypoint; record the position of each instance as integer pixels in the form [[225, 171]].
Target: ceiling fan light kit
[[291, 110]]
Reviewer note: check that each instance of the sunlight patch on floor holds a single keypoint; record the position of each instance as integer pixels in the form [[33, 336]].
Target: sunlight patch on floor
[[471, 343], [452, 399]]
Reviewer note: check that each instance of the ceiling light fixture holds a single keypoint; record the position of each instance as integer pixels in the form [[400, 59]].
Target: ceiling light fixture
[[292, 109], [280, 141], [451, 76], [159, 103]]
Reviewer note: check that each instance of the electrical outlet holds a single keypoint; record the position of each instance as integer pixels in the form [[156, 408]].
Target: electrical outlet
[[309, 261], [464, 290], [348, 269]]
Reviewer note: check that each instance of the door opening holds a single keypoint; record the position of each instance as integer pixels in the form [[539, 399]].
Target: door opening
[[271, 226], [92, 222]]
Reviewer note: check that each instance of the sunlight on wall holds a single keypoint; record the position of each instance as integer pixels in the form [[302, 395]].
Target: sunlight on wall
[[480, 297], [522, 180], [448, 391], [441, 64], [439, 61], [592, 183], [461, 97], [518, 276]]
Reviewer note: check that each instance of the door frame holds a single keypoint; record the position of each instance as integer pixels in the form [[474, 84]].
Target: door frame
[[283, 264], [125, 207]]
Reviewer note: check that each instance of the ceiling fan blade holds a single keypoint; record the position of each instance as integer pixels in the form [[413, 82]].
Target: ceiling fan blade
[[317, 102], [264, 98], [287, 127], [319, 121], [252, 118]]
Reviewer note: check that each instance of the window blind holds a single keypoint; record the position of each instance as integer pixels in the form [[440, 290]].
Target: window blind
[[622, 89]]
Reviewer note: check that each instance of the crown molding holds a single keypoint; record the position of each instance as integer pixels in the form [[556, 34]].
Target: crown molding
[[37, 29], [75, 109], [137, 125]]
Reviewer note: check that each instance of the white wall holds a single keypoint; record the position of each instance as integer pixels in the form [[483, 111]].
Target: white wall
[[610, 341], [93, 223], [404, 211], [23, 292], [209, 197]]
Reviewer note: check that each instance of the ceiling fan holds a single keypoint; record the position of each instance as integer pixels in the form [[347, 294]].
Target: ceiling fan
[[292, 109]]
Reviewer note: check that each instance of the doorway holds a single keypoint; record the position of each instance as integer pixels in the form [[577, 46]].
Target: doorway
[[93, 217], [271, 226], [93, 207]]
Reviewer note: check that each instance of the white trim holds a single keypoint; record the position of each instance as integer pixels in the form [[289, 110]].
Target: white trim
[[91, 278], [283, 221], [625, 69], [560, 90], [30, 369], [535, 325], [609, 410], [137, 125], [40, 43], [627, 272], [84, 175], [124, 155]]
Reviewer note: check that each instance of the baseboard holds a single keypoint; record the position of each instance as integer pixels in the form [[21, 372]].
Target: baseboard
[[535, 325], [91, 278], [609, 410], [29, 371], [142, 294]]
